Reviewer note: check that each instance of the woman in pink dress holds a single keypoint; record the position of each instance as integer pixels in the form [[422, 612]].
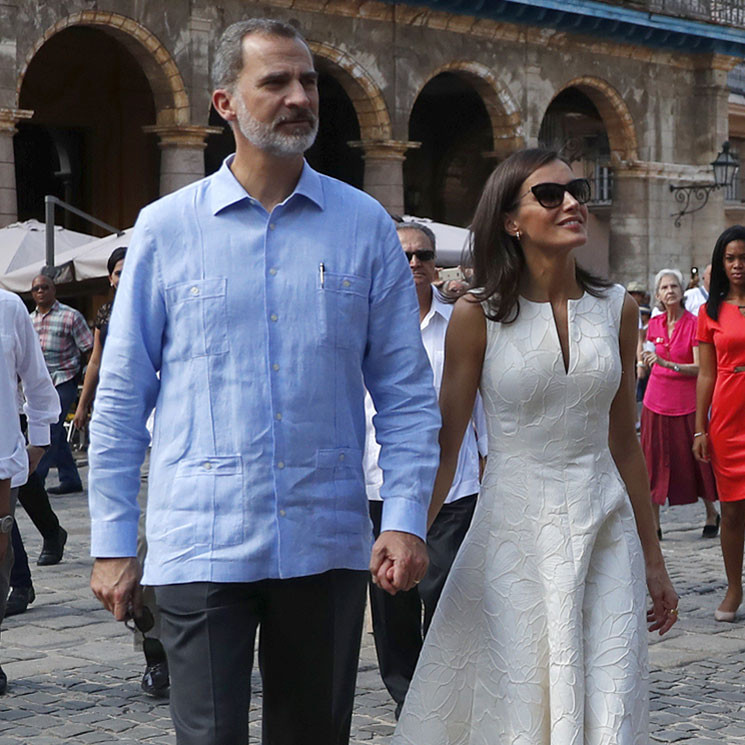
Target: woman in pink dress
[[669, 411]]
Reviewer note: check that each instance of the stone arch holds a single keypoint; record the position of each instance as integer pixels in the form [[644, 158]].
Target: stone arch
[[619, 124], [169, 91], [504, 113], [363, 91]]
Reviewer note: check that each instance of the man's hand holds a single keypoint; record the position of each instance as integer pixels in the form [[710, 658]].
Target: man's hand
[[116, 583], [399, 561], [35, 454]]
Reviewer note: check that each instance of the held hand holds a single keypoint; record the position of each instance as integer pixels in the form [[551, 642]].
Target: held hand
[[116, 583], [399, 561], [35, 454], [701, 448], [664, 611]]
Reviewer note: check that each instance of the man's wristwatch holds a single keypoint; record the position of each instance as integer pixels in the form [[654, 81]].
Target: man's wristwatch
[[6, 523]]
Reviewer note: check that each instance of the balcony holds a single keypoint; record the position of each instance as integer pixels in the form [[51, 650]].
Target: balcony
[[728, 12]]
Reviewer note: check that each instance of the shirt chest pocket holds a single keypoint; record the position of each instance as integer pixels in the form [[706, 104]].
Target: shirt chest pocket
[[342, 301], [197, 318]]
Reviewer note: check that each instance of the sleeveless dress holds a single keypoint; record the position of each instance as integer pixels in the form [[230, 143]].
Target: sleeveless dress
[[539, 637]]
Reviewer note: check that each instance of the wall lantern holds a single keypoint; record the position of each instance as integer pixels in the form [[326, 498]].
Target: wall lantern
[[725, 169]]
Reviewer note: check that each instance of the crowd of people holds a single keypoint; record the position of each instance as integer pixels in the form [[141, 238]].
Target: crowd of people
[[516, 528]]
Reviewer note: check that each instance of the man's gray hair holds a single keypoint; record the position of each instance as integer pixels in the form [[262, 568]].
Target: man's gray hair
[[422, 228], [228, 61]]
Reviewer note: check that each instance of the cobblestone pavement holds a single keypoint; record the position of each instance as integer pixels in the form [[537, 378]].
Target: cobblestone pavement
[[74, 675]]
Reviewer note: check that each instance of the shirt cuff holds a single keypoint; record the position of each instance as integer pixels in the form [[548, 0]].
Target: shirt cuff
[[38, 434], [404, 515], [110, 540]]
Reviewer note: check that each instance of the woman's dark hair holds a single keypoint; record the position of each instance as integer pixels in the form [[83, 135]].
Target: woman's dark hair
[[116, 256], [498, 259], [719, 284]]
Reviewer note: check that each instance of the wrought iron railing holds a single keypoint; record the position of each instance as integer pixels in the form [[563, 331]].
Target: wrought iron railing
[[734, 192], [731, 12]]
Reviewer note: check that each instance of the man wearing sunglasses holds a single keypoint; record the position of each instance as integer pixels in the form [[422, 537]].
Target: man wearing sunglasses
[[66, 342], [398, 623]]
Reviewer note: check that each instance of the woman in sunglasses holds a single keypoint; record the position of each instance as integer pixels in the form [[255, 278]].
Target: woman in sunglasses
[[540, 636]]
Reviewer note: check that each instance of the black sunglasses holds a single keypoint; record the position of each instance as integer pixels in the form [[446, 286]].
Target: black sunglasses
[[421, 255], [143, 623], [39, 288], [550, 195]]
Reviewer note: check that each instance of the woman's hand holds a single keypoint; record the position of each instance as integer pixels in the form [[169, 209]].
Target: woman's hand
[[650, 358], [664, 611], [701, 448], [80, 418]]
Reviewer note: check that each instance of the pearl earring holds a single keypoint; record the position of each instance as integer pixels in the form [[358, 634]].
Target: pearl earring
[[518, 234]]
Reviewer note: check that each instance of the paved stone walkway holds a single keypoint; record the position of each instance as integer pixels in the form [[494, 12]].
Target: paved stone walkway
[[74, 676]]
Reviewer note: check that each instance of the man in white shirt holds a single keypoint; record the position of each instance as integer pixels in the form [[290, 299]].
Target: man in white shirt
[[698, 295], [20, 357], [397, 620]]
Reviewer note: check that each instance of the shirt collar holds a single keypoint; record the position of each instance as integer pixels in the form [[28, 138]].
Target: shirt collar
[[53, 306], [438, 306], [226, 190]]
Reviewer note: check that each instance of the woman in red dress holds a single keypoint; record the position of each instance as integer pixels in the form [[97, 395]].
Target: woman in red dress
[[721, 389], [668, 415]]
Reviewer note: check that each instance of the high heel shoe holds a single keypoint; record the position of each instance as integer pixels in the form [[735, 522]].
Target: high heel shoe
[[711, 531], [726, 616]]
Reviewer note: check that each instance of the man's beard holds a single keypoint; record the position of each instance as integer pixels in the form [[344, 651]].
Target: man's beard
[[265, 137]]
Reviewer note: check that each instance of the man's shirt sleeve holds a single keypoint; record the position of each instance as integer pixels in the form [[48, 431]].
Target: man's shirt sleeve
[[399, 377], [81, 333], [127, 390], [42, 407]]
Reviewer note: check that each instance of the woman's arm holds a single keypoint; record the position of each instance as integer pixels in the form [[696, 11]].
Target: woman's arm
[[465, 344], [707, 378], [89, 383], [627, 454], [684, 368]]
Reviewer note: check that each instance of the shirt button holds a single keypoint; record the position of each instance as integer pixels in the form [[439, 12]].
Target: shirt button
[[207, 465], [345, 283], [272, 226], [281, 465], [275, 367], [194, 290], [278, 417], [272, 271], [341, 456], [273, 316], [282, 513]]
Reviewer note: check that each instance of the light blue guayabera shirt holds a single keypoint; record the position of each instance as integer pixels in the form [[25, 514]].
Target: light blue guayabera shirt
[[253, 336]]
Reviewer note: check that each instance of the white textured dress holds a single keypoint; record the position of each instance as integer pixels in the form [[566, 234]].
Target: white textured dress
[[539, 637]]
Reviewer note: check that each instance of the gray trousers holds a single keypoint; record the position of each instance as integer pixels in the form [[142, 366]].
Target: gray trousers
[[7, 563]]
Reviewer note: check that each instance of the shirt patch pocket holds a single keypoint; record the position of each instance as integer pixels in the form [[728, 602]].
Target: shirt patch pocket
[[207, 502], [198, 317], [342, 309]]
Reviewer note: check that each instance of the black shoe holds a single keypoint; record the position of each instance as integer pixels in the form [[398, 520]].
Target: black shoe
[[65, 488], [659, 534], [3, 682], [19, 600], [52, 549], [155, 681], [711, 531]]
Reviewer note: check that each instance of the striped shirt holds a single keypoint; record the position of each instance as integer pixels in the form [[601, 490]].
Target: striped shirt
[[64, 335]]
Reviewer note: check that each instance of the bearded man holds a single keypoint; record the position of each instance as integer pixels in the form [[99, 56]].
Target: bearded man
[[255, 307]]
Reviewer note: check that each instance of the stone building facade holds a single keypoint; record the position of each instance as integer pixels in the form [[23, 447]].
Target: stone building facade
[[106, 104]]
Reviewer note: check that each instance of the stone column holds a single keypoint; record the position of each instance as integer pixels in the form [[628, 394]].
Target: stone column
[[384, 173], [8, 201], [181, 154]]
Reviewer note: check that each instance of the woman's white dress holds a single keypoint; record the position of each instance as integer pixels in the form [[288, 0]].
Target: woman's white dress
[[540, 636]]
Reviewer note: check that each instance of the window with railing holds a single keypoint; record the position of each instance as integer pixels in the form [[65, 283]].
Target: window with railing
[[733, 192], [602, 184]]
